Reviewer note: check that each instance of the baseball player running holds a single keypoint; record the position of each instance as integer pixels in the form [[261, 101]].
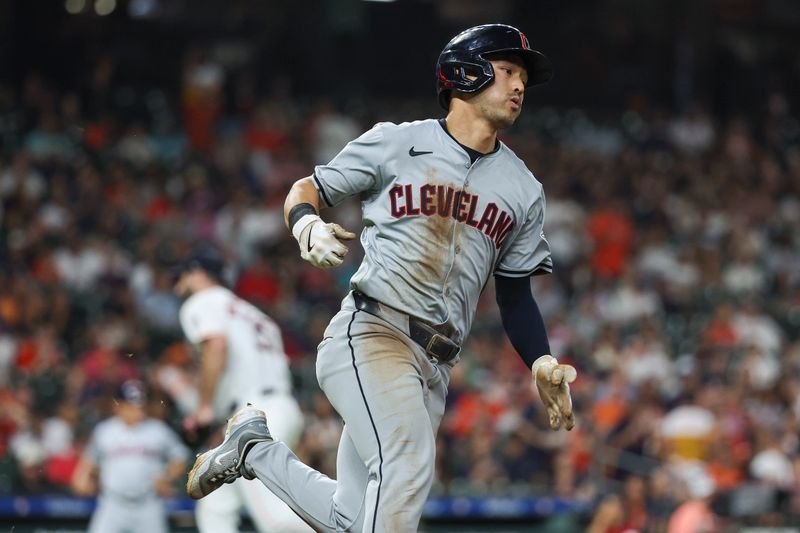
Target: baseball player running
[[138, 459], [241, 361], [446, 205]]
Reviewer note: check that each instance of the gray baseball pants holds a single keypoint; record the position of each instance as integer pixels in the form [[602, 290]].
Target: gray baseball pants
[[391, 397], [117, 515]]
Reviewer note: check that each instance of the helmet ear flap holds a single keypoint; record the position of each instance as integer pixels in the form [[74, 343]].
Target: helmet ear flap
[[467, 76], [471, 73]]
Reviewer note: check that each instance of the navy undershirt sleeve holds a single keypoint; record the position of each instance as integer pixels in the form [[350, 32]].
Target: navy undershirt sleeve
[[521, 317]]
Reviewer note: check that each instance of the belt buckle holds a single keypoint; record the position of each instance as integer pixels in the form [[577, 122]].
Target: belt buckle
[[438, 338]]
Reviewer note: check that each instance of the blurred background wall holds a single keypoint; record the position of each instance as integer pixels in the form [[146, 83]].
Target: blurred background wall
[[609, 54]]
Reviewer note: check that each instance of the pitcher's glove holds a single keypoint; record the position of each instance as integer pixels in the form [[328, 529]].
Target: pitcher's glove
[[552, 381], [320, 242]]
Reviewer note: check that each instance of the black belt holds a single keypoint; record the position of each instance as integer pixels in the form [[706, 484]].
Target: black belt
[[435, 340]]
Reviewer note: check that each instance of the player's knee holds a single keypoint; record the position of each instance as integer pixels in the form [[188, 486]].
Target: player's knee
[[419, 483], [416, 460]]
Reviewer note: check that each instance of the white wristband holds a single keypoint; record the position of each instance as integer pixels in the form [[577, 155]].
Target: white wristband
[[301, 224]]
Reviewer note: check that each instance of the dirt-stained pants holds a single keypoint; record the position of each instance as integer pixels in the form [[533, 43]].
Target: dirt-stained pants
[[391, 397]]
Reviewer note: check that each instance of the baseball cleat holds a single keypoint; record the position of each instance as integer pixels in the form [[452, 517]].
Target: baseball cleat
[[223, 464]]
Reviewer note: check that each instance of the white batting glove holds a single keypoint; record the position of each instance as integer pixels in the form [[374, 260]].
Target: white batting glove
[[320, 242], [552, 380]]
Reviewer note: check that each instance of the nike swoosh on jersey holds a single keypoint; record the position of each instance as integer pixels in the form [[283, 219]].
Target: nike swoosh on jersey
[[414, 153], [309, 245], [217, 460]]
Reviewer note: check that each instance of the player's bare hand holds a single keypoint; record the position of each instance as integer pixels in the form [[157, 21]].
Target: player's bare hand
[[552, 381], [84, 487], [164, 487], [321, 243]]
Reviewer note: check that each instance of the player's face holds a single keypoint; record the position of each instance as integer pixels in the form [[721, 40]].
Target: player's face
[[184, 287], [193, 281], [501, 102], [130, 413]]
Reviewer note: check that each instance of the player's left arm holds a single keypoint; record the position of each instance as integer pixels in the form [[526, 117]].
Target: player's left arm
[[526, 255], [524, 325], [320, 242], [165, 484], [176, 455]]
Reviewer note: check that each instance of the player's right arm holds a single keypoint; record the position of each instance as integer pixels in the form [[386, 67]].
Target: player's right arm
[[354, 171], [203, 318], [320, 242], [176, 454], [84, 478], [302, 192], [213, 358]]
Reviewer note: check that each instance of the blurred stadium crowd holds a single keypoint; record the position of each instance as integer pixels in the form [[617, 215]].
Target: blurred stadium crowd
[[676, 289]]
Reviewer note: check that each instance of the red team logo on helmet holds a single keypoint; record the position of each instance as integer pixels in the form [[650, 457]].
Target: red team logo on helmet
[[525, 43]]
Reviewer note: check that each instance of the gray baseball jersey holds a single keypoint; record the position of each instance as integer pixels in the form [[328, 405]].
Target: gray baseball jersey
[[130, 459], [435, 225], [436, 228]]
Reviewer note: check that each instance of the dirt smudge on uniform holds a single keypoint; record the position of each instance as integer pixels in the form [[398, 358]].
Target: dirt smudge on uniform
[[385, 356], [435, 238]]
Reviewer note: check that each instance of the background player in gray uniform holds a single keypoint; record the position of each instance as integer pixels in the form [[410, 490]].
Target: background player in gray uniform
[[445, 206], [241, 361], [134, 460]]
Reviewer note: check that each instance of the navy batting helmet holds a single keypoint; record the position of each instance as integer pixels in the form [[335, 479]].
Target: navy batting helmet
[[465, 56]]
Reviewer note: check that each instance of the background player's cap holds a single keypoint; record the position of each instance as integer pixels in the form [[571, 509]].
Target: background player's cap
[[132, 391], [204, 257]]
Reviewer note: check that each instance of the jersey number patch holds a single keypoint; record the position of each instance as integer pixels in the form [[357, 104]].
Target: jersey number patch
[[260, 325]]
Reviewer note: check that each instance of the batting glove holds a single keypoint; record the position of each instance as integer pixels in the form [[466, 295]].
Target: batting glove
[[552, 380], [320, 242]]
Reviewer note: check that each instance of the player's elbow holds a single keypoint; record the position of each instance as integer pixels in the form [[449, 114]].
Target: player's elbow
[[300, 186], [303, 191]]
